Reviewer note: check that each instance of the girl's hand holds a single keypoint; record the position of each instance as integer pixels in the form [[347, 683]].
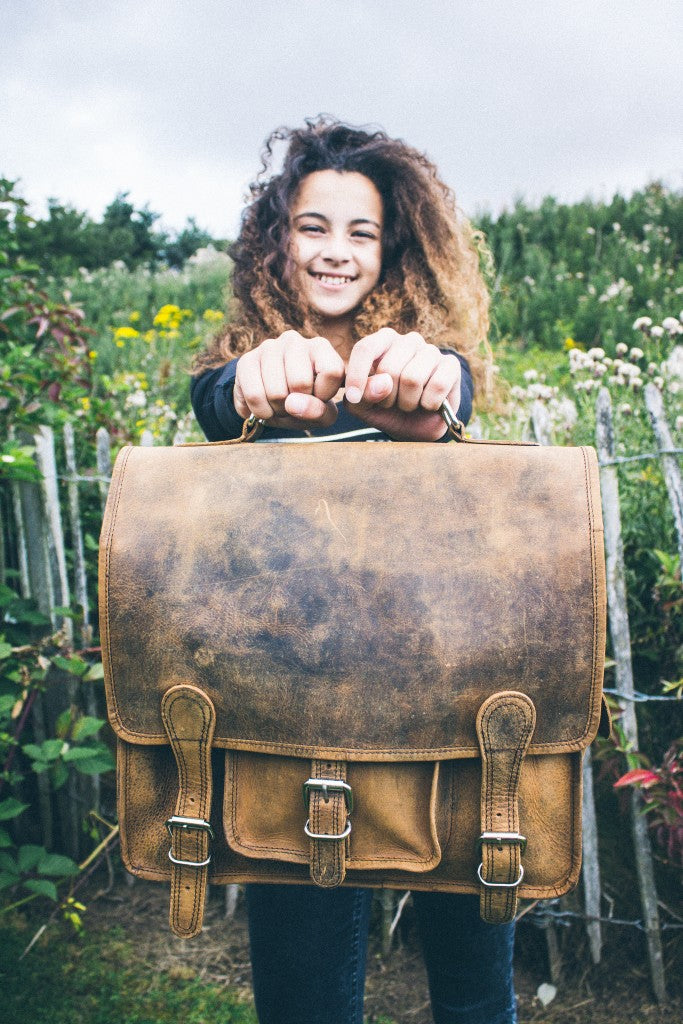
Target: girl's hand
[[397, 383], [288, 380]]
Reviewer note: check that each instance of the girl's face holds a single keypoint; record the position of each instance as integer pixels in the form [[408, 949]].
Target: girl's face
[[336, 242]]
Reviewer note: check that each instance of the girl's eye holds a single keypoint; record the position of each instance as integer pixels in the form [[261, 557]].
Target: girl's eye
[[364, 234], [312, 229]]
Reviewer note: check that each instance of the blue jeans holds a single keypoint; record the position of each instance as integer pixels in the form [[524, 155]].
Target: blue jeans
[[309, 945]]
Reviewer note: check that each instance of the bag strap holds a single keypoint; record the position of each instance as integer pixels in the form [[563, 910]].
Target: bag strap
[[505, 725], [189, 719], [329, 801]]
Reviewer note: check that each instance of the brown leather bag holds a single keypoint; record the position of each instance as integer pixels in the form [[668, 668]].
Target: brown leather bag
[[356, 664]]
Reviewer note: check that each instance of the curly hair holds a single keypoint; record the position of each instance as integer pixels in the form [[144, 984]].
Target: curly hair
[[430, 279]]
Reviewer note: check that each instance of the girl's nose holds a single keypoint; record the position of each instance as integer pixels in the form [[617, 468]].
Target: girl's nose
[[336, 249]]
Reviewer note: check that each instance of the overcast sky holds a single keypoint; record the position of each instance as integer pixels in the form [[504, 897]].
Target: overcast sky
[[171, 99]]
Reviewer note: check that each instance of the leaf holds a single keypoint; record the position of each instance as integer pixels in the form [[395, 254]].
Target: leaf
[[5, 839], [7, 879], [43, 887], [95, 765], [11, 808], [57, 864], [5, 650], [8, 865], [59, 774], [29, 856], [7, 702], [90, 542], [637, 776], [86, 726], [95, 672], [74, 666]]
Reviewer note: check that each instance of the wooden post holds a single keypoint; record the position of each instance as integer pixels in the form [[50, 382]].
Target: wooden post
[[103, 463], [590, 868], [47, 464], [91, 783], [621, 645], [670, 468]]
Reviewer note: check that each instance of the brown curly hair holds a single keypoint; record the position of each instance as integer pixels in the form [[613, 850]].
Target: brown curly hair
[[430, 280]]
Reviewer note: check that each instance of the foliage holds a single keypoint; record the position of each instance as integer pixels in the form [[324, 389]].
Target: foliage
[[68, 239], [661, 788], [98, 979]]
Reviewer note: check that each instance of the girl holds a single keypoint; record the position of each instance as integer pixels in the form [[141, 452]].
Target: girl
[[358, 309]]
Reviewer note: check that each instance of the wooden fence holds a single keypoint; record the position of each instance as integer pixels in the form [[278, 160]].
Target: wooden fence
[[38, 530]]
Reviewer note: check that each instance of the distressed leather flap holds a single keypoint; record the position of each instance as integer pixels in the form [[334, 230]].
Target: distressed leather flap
[[355, 601]]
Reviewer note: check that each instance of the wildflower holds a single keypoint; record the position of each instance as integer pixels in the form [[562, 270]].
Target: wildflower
[[7, 458], [621, 348], [636, 353], [92, 354], [212, 316], [590, 231], [641, 323], [674, 387], [124, 333], [659, 382], [569, 344], [596, 353], [134, 316], [530, 375], [651, 368], [679, 423], [616, 226], [120, 343], [657, 332], [672, 325], [599, 369], [625, 409], [529, 281], [85, 403]]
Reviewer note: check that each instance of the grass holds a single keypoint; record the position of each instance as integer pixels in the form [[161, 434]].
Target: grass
[[97, 979]]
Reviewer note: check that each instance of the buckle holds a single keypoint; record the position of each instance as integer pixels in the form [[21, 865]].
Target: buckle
[[499, 838], [455, 426], [179, 821], [500, 885], [327, 786]]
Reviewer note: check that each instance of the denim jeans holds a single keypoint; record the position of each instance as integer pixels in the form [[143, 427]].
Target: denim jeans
[[309, 945]]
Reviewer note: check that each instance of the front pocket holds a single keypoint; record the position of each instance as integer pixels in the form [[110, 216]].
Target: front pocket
[[393, 822]]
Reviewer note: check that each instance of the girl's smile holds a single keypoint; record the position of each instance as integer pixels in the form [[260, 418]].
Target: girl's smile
[[336, 245]]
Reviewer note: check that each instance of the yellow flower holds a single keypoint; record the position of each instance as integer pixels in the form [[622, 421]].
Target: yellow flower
[[123, 333], [212, 316], [149, 336], [120, 343], [92, 354], [134, 316], [569, 343], [85, 402]]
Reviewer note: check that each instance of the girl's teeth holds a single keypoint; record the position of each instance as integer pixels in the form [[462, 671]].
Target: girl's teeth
[[326, 279]]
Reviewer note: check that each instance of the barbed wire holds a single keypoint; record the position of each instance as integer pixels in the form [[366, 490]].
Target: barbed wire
[[618, 460], [542, 915], [640, 698]]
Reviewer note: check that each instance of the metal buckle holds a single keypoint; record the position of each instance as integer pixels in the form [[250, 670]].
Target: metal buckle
[[500, 885], [455, 426], [179, 821], [499, 838], [326, 835], [327, 786]]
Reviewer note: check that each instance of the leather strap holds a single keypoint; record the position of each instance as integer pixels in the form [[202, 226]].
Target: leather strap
[[328, 811], [189, 720], [505, 725]]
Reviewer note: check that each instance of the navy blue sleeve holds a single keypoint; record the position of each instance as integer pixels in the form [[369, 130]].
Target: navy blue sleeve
[[214, 406]]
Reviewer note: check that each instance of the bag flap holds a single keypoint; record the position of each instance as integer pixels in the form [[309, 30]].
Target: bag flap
[[355, 601]]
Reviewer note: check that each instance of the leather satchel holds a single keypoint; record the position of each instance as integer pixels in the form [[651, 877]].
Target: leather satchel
[[353, 664]]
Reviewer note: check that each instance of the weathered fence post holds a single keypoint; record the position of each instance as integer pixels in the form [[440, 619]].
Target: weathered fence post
[[621, 645], [590, 869], [103, 463], [672, 473]]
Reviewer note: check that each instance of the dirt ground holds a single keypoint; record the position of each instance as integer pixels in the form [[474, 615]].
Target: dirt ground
[[616, 992]]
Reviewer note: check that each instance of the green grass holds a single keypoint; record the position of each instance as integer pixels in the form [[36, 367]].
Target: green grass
[[97, 979]]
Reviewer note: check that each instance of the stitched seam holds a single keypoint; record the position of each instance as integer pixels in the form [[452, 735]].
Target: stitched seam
[[107, 564]]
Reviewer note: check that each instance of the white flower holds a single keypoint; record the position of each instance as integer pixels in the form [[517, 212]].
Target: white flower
[[659, 382], [590, 231], [636, 383], [596, 353], [579, 275], [672, 325], [679, 423], [616, 226], [618, 363], [642, 323], [136, 400], [625, 409], [622, 349], [651, 368], [637, 353], [599, 369], [674, 387], [630, 369], [529, 281], [8, 458], [657, 332], [531, 375]]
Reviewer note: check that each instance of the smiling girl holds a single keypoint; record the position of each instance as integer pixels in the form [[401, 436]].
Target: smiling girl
[[359, 308]]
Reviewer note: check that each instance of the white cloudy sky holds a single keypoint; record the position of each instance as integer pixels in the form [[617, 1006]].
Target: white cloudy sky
[[171, 99]]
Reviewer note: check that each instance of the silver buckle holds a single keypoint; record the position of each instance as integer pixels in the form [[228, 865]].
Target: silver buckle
[[327, 786], [455, 426], [500, 839], [179, 821]]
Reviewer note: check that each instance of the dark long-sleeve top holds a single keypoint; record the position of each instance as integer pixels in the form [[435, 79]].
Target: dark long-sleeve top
[[214, 407]]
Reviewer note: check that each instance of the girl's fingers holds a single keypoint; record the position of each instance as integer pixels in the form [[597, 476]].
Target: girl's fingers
[[397, 358], [273, 374], [364, 355], [415, 375], [311, 409], [443, 383], [328, 367], [250, 395], [298, 364]]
